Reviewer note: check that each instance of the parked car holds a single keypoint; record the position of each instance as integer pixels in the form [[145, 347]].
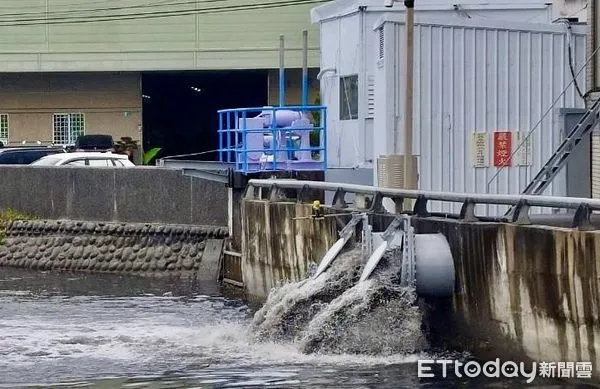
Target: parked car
[[26, 155], [89, 158], [94, 143]]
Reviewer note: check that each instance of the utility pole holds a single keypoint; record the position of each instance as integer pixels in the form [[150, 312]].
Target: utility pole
[[593, 75], [408, 109]]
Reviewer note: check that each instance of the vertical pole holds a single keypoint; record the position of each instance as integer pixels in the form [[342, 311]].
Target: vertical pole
[[281, 72], [408, 109], [594, 11], [592, 76], [221, 137], [305, 67]]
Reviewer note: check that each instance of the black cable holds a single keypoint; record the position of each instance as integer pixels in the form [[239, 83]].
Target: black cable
[[572, 69], [570, 58], [156, 14], [42, 15]]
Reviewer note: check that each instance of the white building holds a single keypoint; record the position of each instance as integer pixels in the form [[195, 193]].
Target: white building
[[570, 9], [481, 70]]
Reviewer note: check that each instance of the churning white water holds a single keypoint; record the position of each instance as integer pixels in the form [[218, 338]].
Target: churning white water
[[335, 314], [112, 332], [91, 331]]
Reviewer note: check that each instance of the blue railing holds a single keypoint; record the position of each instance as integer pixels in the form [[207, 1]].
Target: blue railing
[[273, 138]]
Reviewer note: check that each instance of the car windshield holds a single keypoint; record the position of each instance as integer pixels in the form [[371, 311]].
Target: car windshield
[[47, 161]]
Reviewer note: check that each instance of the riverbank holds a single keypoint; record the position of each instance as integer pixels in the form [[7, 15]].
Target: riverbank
[[151, 250]]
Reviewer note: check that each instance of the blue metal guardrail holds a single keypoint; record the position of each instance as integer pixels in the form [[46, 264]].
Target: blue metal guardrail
[[273, 138]]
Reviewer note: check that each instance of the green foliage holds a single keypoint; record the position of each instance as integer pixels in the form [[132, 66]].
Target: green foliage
[[9, 215], [126, 145], [315, 135], [317, 114], [150, 155]]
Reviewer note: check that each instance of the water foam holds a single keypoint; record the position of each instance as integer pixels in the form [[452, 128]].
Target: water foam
[[334, 314]]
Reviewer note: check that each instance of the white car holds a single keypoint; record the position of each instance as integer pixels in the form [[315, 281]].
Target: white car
[[85, 159]]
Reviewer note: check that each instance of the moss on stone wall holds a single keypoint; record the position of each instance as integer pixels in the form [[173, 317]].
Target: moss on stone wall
[[8, 216]]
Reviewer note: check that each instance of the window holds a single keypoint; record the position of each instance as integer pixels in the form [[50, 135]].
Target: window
[[66, 127], [100, 162], [4, 128], [77, 162], [349, 97]]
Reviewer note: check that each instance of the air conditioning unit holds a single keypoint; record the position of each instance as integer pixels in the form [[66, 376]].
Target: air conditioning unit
[[390, 172]]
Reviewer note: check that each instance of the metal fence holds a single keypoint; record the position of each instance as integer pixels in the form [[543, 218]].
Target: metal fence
[[373, 198], [274, 138]]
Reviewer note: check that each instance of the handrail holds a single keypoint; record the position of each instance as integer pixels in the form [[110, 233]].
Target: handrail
[[537, 201], [275, 108]]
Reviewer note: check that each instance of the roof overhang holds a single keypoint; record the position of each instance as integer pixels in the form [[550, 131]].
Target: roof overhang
[[558, 28], [340, 8]]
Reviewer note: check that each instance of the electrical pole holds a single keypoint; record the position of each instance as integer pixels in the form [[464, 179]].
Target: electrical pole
[[593, 73], [409, 180]]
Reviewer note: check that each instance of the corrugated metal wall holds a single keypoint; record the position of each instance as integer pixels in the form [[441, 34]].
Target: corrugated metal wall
[[472, 79], [125, 35]]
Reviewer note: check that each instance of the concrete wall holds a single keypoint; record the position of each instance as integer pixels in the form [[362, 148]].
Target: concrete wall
[[537, 286], [141, 194], [137, 249], [111, 102], [276, 248]]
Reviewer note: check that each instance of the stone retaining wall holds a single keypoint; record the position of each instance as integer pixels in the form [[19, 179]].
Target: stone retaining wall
[[143, 249]]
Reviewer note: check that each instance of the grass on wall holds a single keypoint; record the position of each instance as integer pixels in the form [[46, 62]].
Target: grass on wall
[[9, 215]]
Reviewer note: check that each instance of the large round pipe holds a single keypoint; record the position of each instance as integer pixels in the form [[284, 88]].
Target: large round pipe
[[434, 268]]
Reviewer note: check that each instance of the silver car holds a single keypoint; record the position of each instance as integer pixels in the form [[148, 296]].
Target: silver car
[[85, 159]]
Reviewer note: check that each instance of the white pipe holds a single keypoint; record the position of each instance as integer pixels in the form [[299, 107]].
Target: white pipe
[[326, 70]]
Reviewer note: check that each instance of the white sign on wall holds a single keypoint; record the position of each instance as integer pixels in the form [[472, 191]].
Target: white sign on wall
[[480, 149], [523, 155]]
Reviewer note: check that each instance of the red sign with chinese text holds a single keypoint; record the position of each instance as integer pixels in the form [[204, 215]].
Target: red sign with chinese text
[[502, 148]]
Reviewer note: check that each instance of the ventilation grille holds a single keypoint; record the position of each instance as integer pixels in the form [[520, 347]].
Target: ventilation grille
[[390, 171], [381, 42], [370, 97]]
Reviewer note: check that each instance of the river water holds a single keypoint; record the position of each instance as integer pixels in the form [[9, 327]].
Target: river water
[[118, 332]]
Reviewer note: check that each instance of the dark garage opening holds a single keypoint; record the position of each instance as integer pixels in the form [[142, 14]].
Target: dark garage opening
[[180, 108]]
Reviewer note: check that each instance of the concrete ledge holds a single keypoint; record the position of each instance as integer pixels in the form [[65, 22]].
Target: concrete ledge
[[138, 195], [156, 250]]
